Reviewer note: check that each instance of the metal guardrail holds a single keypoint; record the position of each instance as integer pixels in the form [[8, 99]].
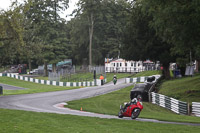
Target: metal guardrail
[[196, 108], [172, 104]]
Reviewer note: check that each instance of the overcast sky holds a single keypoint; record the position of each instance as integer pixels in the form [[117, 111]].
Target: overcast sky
[[4, 4]]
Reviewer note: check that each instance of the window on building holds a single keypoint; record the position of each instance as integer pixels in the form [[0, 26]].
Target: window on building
[[120, 64], [135, 64], [131, 64], [113, 64], [125, 64]]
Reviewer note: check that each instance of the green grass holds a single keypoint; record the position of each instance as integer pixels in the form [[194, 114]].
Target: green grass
[[13, 121], [109, 76], [148, 73], [185, 89], [109, 104], [32, 87], [89, 77]]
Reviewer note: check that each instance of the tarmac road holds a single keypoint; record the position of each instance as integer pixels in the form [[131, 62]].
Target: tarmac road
[[53, 102]]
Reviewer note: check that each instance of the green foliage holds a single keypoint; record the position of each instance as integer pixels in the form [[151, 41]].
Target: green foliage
[[109, 18], [176, 22], [11, 34]]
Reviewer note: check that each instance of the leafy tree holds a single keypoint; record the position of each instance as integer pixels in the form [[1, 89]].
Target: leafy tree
[[11, 34], [177, 22], [141, 41], [50, 28], [109, 20]]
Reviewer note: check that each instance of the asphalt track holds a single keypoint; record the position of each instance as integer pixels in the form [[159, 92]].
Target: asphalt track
[[53, 102]]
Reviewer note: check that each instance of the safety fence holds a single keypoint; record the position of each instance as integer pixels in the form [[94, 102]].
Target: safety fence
[[172, 104], [55, 83], [140, 79], [196, 108]]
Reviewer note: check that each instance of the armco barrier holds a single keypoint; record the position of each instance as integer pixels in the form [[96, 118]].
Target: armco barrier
[[172, 104], [140, 79], [48, 82], [196, 108]]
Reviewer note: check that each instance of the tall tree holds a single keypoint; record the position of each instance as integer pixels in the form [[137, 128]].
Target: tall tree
[[50, 29], [11, 33], [109, 23], [177, 22], [141, 41]]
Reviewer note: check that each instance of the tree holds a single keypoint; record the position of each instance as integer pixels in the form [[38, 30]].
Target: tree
[[176, 22], [11, 33], [50, 28], [109, 20], [141, 41]]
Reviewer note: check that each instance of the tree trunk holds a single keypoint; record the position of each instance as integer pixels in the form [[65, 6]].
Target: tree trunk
[[45, 69], [29, 65], [166, 72], [91, 28], [198, 65], [54, 67]]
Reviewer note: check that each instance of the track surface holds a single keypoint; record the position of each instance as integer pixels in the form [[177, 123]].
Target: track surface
[[52, 102]]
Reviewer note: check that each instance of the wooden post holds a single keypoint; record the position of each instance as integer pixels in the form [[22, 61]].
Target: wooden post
[[188, 106]]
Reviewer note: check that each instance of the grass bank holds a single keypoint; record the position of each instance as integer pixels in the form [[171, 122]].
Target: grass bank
[[32, 87], [185, 89], [13, 121], [109, 104], [147, 73], [89, 77]]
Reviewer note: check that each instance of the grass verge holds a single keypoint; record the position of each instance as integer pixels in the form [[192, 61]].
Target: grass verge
[[109, 104], [32, 87], [185, 89], [148, 73], [13, 121]]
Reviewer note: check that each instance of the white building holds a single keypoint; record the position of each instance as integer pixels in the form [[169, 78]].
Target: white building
[[121, 65]]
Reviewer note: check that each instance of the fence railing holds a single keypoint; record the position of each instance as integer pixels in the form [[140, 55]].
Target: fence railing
[[55, 83], [196, 108], [128, 69], [140, 79], [172, 104]]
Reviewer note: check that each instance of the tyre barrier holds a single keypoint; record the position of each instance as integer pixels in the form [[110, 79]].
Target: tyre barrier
[[172, 104], [196, 108]]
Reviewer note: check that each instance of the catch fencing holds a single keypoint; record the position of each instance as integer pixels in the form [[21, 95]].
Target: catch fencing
[[172, 104], [196, 108]]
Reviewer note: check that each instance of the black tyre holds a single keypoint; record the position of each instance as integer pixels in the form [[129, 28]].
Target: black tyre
[[120, 115], [135, 113]]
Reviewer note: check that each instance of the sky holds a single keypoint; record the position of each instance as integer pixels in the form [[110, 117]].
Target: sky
[[4, 4]]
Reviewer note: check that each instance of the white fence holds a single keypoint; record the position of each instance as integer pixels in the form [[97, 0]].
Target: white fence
[[55, 83], [140, 79], [172, 104], [196, 108]]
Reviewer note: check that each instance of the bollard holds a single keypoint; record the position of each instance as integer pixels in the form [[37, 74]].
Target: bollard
[[1, 90]]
